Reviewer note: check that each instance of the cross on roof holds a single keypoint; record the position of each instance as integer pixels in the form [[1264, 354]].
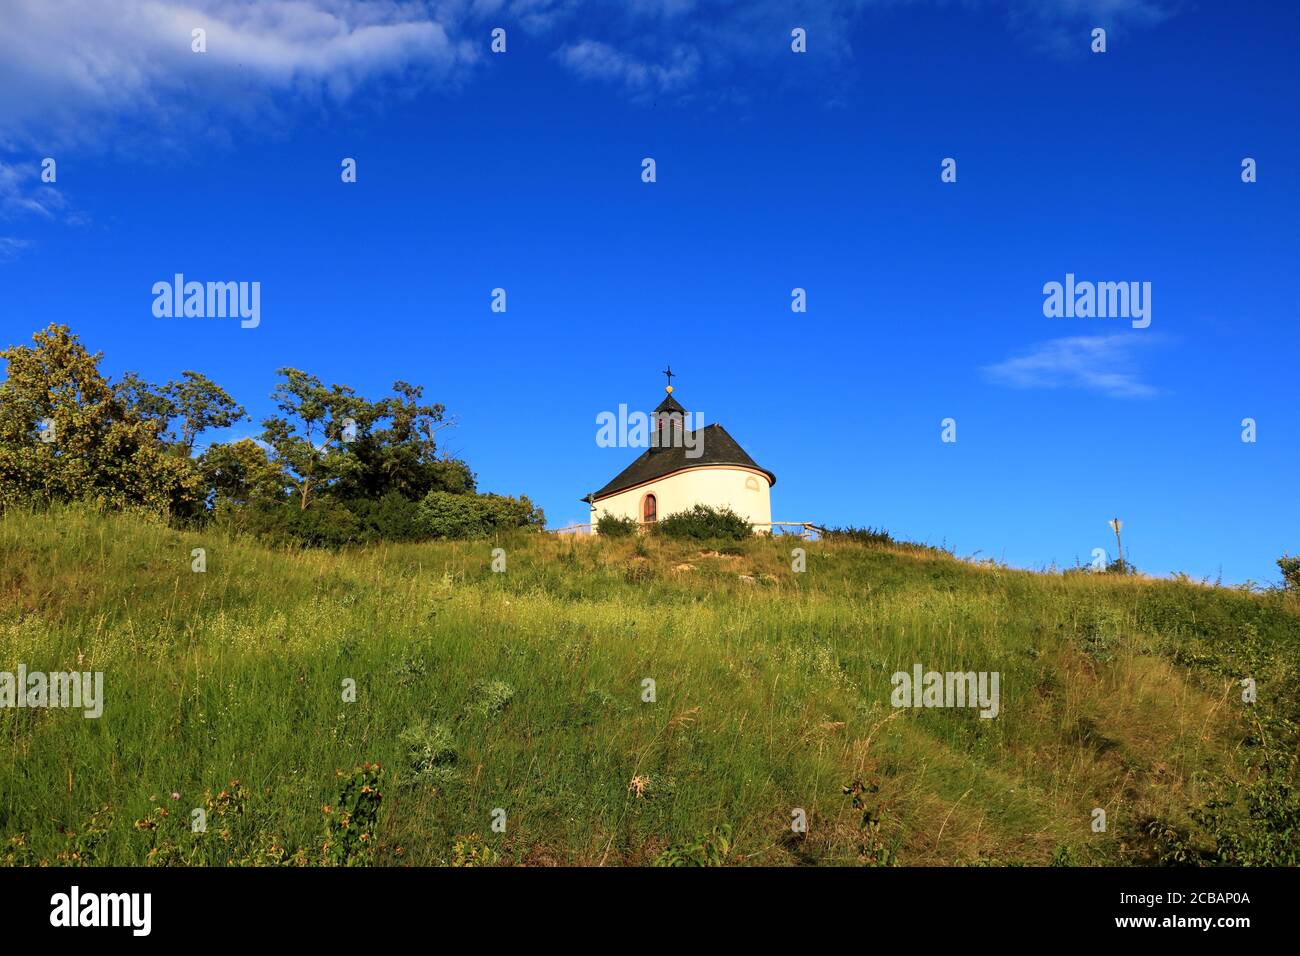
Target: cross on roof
[[669, 372]]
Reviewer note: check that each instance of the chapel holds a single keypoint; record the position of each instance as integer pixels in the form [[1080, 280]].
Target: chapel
[[684, 468]]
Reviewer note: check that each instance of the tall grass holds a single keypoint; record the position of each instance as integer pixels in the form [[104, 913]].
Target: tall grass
[[523, 691]]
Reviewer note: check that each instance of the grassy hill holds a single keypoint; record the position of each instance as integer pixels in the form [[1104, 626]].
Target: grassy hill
[[523, 691]]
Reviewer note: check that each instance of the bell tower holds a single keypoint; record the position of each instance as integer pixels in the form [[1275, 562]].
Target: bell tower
[[669, 419]]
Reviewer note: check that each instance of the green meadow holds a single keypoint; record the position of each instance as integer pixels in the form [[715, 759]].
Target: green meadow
[[520, 699]]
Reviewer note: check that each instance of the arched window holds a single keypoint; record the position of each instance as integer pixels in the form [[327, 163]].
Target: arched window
[[649, 509]]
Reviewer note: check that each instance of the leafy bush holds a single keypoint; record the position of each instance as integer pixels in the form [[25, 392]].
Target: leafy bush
[[1290, 567], [873, 850], [879, 537], [638, 572], [325, 523], [228, 829], [328, 522], [391, 518], [350, 822], [866, 535], [445, 515], [705, 523], [614, 527], [472, 851], [713, 850], [1064, 855], [1244, 823]]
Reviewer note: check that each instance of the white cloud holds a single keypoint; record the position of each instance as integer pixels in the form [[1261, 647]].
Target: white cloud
[[24, 197], [666, 46], [594, 60], [23, 193], [535, 16], [1063, 27], [64, 64], [1102, 363], [10, 247], [72, 71]]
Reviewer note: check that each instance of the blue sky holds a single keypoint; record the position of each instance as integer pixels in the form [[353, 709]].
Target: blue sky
[[775, 170]]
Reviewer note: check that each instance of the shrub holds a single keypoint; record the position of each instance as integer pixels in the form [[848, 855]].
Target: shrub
[[391, 518], [614, 527], [1290, 567], [1120, 566], [866, 535], [504, 512], [713, 850], [704, 523], [228, 828], [350, 822], [638, 572], [445, 515], [328, 522], [879, 537], [325, 523], [873, 850], [472, 851]]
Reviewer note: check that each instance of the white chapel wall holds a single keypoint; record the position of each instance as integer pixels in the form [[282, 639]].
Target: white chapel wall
[[745, 491]]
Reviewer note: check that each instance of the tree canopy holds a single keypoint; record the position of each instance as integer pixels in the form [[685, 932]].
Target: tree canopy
[[352, 469]]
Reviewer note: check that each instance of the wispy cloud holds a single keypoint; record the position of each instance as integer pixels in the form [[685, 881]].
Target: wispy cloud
[[10, 247], [22, 193], [23, 196], [1102, 363], [669, 45], [594, 60], [64, 64], [1053, 25], [72, 69]]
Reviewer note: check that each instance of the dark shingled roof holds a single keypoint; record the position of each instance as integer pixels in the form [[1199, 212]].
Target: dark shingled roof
[[718, 447], [670, 404]]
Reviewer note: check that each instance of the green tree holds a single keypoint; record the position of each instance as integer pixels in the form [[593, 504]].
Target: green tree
[[201, 404], [308, 440], [1290, 568], [66, 434], [240, 473], [399, 454], [146, 401], [198, 402]]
